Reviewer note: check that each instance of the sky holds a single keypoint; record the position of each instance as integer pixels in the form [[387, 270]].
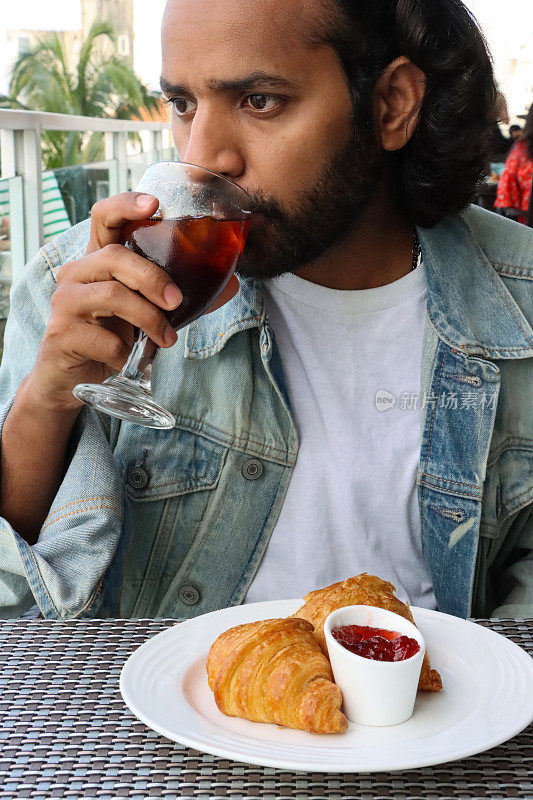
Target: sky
[[508, 26], [43, 15], [148, 16]]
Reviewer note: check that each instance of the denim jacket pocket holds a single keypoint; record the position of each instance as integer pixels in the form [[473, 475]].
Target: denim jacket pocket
[[158, 464], [170, 479]]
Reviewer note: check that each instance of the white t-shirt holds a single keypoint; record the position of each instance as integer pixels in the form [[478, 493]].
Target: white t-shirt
[[351, 505]]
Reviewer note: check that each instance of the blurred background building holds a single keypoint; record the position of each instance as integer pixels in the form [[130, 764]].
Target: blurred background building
[[22, 25]]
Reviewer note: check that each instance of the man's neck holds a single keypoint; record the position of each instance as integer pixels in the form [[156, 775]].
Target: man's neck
[[379, 251]]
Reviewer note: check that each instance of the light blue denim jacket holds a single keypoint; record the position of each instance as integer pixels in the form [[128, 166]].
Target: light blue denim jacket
[[151, 523]]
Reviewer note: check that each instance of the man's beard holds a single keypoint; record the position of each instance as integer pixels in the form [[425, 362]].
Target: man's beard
[[326, 213]]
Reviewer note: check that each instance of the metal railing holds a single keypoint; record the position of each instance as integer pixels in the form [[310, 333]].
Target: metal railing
[[21, 164]]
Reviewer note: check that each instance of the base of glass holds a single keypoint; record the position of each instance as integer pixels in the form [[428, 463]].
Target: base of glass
[[121, 398]]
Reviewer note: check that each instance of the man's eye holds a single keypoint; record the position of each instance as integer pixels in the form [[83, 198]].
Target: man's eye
[[181, 105], [262, 102], [257, 102]]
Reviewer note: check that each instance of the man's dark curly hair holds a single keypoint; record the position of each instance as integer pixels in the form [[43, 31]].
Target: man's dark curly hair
[[439, 170]]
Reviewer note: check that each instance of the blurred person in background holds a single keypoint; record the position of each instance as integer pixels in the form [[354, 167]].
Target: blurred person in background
[[514, 188], [515, 132]]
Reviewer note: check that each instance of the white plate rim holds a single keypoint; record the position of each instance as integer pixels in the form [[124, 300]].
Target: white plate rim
[[270, 609]]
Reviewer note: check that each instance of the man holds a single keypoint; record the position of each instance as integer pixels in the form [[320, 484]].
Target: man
[[357, 405], [515, 132]]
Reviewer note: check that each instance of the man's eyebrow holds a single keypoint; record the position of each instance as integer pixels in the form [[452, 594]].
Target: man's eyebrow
[[249, 82]]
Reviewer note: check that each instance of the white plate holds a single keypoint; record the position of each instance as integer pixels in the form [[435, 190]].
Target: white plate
[[487, 698]]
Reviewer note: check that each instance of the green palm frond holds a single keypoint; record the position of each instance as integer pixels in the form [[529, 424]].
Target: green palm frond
[[44, 62], [99, 86], [93, 149], [53, 144], [72, 148], [87, 62]]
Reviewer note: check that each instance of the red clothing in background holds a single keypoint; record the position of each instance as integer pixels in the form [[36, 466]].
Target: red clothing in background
[[514, 188]]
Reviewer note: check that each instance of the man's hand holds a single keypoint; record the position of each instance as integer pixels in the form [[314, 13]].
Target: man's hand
[[99, 301]]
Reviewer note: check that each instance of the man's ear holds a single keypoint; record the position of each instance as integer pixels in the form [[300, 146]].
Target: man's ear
[[398, 96]]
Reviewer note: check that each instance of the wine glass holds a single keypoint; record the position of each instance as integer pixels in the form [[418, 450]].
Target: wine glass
[[196, 236]]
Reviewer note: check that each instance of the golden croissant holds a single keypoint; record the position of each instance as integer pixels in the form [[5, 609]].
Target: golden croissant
[[275, 671], [367, 590]]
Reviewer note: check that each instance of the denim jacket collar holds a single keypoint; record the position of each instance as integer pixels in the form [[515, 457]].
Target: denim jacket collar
[[209, 333], [469, 305]]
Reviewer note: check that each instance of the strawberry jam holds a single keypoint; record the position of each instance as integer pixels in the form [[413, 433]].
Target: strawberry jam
[[375, 643]]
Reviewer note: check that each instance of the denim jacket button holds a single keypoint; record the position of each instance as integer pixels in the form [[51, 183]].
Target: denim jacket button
[[252, 469], [188, 595], [138, 478]]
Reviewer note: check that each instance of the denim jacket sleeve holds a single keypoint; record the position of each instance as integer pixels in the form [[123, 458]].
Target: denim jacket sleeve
[[62, 571], [515, 582]]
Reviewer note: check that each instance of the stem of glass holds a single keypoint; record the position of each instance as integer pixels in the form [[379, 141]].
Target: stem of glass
[[138, 367]]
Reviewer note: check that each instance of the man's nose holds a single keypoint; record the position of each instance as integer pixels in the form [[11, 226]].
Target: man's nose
[[213, 144]]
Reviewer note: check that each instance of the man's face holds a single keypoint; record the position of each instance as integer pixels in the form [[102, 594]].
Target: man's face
[[254, 101]]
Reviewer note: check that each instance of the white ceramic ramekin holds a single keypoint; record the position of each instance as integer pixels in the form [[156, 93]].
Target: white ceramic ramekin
[[374, 692]]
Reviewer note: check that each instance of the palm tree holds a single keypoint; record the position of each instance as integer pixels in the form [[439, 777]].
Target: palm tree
[[100, 86]]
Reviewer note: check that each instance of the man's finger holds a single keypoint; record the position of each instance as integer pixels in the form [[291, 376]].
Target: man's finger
[[135, 272], [109, 215]]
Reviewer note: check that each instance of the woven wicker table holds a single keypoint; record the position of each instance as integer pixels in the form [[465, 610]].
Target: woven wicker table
[[65, 731]]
